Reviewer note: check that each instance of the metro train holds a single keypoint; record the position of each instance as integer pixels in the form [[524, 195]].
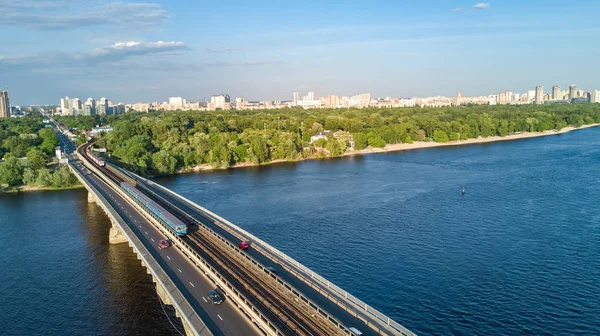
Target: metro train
[[96, 159], [157, 212]]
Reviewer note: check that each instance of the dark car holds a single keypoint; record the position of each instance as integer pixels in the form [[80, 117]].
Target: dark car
[[215, 297], [272, 269], [243, 245]]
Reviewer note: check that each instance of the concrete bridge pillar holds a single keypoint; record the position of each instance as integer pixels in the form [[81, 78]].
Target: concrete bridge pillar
[[91, 198], [162, 295], [115, 236]]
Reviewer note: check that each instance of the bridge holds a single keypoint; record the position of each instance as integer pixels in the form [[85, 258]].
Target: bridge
[[265, 291]]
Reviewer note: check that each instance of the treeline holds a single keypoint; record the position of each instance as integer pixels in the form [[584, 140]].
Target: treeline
[[162, 142], [19, 135], [26, 148]]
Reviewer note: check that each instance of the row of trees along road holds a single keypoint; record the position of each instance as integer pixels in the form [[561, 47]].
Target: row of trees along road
[[27, 147]]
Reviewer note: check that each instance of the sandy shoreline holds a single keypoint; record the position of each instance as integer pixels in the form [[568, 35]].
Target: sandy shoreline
[[406, 146], [420, 144], [27, 188]]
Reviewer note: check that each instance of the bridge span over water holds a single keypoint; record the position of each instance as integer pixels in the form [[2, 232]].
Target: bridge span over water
[[266, 292]]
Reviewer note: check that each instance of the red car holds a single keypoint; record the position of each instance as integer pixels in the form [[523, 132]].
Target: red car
[[243, 245], [164, 243]]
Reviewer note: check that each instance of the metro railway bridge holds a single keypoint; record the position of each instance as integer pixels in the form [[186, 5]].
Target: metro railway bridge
[[266, 292]]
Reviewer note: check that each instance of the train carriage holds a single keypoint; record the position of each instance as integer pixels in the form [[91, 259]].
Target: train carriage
[[160, 214]]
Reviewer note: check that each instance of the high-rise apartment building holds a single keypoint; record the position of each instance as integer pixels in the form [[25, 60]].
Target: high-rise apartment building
[[539, 94], [310, 96], [176, 102], [572, 92], [89, 108], [595, 96], [220, 101], [296, 97], [4, 104], [556, 93], [76, 104], [65, 106], [102, 107]]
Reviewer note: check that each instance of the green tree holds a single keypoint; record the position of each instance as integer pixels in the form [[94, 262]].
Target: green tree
[[163, 162], [62, 178], [11, 171], [36, 159], [44, 178], [29, 176], [440, 136], [377, 141]]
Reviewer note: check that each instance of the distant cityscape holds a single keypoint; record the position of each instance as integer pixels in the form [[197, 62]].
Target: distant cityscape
[[74, 106]]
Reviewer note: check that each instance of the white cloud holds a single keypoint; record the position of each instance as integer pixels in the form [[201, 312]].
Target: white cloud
[[220, 64], [114, 54], [482, 5], [122, 50], [457, 9], [65, 14], [219, 50]]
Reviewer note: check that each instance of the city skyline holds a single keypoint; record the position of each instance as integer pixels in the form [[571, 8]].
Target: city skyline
[[140, 51], [223, 101]]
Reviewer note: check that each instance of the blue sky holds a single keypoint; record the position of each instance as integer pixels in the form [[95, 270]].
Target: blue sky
[[148, 51]]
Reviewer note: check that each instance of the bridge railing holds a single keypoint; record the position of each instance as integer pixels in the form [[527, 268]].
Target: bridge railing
[[370, 315], [186, 312]]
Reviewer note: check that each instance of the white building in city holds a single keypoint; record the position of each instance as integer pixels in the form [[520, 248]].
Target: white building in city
[[176, 102], [539, 94], [219, 102], [595, 96]]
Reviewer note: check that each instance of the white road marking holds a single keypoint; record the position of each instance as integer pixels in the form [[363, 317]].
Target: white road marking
[[220, 317], [168, 257], [192, 284], [152, 239], [204, 299], [179, 270], [146, 232]]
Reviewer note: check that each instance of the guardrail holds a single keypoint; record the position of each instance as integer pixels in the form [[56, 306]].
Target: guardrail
[[346, 300], [239, 299], [185, 310]]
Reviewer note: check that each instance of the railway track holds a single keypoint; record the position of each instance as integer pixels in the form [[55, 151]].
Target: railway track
[[289, 319]]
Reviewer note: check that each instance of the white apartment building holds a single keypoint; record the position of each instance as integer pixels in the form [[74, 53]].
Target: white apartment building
[[220, 101], [176, 102], [595, 96]]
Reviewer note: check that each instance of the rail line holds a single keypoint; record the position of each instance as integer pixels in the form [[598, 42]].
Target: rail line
[[290, 321]]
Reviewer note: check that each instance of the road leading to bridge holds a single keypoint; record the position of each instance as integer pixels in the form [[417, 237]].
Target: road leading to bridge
[[224, 319]]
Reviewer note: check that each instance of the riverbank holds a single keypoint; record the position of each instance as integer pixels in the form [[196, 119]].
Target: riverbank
[[28, 188], [403, 146], [421, 144]]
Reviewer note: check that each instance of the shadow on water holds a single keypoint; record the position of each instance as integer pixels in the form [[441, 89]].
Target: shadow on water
[[129, 295]]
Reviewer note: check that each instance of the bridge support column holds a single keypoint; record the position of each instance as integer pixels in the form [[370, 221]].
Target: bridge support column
[[91, 198], [162, 295], [115, 236]]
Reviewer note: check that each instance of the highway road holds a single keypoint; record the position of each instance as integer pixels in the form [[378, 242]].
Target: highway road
[[187, 276], [65, 144], [223, 319], [331, 307]]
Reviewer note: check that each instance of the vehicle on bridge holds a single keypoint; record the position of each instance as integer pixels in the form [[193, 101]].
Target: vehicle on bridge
[[215, 296], [243, 245], [157, 212], [164, 243]]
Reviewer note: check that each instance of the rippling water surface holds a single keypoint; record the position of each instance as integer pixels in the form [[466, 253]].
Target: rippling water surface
[[61, 277], [518, 254]]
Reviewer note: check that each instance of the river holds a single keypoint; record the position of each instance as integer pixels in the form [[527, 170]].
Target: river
[[519, 253]]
